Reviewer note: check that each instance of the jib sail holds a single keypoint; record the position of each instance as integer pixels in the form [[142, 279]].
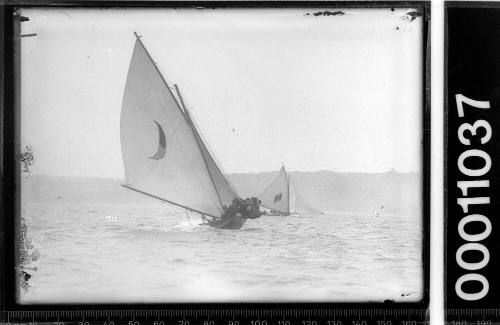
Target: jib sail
[[299, 203], [224, 188]]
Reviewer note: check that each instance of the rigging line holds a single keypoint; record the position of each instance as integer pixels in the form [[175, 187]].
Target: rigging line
[[270, 182], [159, 72], [180, 109], [197, 176], [196, 136], [287, 190], [214, 157], [168, 201], [291, 185], [208, 169], [187, 217]]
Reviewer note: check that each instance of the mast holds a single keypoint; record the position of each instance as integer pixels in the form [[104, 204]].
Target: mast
[[225, 190], [197, 137], [212, 161], [287, 189]]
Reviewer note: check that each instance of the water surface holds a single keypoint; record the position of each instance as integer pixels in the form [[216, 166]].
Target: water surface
[[153, 253]]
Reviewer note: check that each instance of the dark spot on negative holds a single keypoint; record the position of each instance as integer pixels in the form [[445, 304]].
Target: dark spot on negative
[[329, 13], [21, 18], [411, 15]]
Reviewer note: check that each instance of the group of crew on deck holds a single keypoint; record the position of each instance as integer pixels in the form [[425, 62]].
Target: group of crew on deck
[[242, 208]]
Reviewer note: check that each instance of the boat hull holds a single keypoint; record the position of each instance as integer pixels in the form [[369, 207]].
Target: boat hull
[[233, 223]]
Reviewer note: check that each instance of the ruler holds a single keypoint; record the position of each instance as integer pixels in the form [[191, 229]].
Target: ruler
[[472, 316], [267, 316]]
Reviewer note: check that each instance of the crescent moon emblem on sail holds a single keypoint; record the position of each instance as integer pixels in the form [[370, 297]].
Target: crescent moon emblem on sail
[[162, 144]]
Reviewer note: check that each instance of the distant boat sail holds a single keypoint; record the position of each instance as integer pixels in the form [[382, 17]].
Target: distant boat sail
[[282, 198], [301, 205], [164, 155], [276, 194]]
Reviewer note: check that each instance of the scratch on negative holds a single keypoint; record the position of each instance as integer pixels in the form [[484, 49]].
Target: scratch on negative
[[66, 14]]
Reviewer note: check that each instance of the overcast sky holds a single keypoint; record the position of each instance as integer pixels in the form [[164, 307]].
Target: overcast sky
[[340, 93]]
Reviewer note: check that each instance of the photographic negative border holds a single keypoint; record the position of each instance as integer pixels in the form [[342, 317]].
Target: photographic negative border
[[11, 174]]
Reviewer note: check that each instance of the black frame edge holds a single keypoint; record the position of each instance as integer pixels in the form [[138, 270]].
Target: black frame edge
[[11, 150]]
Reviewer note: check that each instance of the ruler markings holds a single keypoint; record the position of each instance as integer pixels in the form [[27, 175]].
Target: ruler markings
[[271, 315]]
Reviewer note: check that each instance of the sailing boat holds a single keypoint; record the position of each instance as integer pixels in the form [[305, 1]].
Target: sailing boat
[[164, 154], [282, 198]]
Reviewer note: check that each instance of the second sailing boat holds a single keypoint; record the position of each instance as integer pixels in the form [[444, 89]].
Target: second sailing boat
[[281, 197]]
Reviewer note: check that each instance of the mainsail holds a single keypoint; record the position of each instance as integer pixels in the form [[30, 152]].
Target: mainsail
[[163, 154], [276, 194]]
